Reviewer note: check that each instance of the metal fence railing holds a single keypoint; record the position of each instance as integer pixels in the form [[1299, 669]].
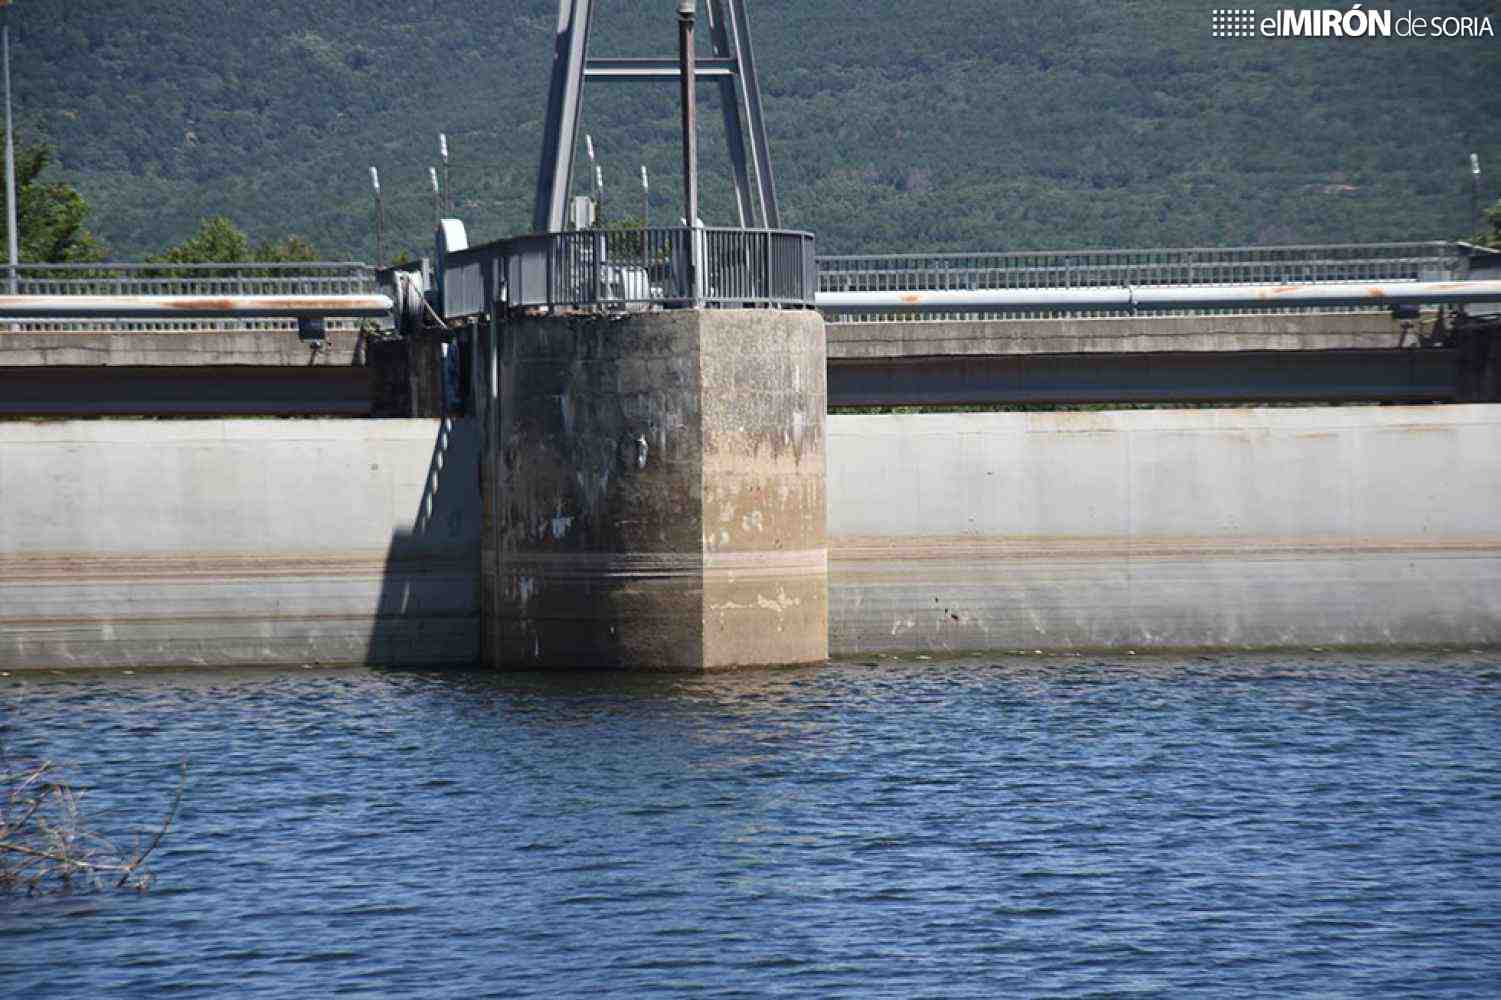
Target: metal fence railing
[[661, 267], [1432, 261], [305, 278], [316, 278], [718, 267], [634, 269]]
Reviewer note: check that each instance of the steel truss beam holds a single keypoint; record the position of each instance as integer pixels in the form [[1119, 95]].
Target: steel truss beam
[[733, 67], [564, 104]]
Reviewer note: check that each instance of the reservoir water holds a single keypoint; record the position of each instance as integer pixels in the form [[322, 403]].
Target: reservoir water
[[1230, 826]]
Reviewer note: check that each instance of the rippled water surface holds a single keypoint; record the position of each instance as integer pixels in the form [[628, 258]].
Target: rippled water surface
[[1237, 826]]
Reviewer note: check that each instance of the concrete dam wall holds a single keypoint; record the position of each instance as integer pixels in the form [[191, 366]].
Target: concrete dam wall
[[136, 543], [1165, 528], [127, 543]]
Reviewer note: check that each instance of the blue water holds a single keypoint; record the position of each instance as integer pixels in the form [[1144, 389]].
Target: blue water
[[1313, 825]]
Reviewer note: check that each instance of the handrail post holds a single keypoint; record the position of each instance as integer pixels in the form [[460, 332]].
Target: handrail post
[[597, 251], [699, 240]]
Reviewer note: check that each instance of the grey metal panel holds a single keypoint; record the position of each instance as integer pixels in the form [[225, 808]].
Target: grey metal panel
[[528, 272], [464, 290], [1247, 376], [739, 30], [470, 283], [564, 104]]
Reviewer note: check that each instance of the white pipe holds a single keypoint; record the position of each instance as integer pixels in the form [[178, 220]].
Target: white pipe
[[1167, 297], [190, 306]]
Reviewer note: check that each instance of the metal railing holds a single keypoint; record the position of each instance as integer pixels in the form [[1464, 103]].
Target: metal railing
[[1433, 260], [675, 266], [635, 269], [305, 278], [1425, 261], [318, 278]]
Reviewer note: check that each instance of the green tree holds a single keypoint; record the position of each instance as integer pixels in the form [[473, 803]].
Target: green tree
[[290, 250], [1491, 235], [220, 241], [49, 215]]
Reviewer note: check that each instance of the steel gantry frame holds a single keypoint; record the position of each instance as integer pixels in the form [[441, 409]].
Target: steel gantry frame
[[733, 68]]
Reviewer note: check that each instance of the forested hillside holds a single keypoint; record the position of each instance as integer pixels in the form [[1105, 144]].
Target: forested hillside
[[967, 124]]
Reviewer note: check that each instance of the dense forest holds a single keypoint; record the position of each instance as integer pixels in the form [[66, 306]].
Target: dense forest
[[970, 124]]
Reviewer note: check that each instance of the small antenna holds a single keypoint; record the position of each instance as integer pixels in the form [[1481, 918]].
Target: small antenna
[[380, 220], [447, 199]]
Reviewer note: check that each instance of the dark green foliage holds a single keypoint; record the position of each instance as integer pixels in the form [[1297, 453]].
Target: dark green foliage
[[1491, 237], [895, 126], [49, 215], [220, 241]]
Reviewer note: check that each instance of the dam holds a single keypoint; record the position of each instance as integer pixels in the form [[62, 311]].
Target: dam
[[529, 463], [131, 543], [644, 448]]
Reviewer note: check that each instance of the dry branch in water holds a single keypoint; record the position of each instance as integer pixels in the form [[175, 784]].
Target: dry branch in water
[[46, 844]]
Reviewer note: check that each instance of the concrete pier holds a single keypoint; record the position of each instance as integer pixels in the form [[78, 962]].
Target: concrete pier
[[657, 497]]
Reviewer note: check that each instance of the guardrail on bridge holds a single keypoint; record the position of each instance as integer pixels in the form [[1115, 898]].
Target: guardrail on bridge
[[230, 280], [1322, 263], [635, 269]]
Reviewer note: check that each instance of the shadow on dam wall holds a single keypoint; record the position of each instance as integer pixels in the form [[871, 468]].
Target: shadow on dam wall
[[427, 613]]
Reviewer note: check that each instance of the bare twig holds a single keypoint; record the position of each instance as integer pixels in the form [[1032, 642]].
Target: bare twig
[[140, 859], [44, 838]]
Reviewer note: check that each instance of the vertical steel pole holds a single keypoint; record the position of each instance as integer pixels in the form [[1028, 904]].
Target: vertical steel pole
[[687, 11], [380, 220], [1474, 189], [688, 71], [10, 155]]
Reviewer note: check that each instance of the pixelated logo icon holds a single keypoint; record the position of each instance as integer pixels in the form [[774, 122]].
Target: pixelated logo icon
[[1232, 22]]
